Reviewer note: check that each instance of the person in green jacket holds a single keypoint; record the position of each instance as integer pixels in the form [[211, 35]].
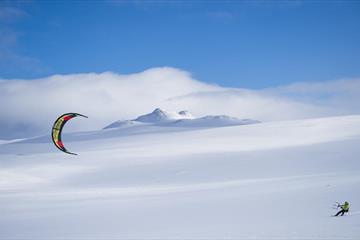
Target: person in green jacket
[[344, 208]]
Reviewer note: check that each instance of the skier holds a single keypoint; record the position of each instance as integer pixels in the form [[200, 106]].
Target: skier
[[344, 208]]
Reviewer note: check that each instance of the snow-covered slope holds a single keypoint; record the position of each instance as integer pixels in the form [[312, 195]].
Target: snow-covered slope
[[117, 124], [261, 181], [214, 121]]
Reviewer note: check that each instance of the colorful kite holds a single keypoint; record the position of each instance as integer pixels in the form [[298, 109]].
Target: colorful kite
[[57, 130]]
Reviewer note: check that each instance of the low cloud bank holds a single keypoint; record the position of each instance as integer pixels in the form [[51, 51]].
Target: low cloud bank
[[29, 107]]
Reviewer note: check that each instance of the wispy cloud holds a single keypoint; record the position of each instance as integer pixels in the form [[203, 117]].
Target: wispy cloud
[[10, 59], [29, 107]]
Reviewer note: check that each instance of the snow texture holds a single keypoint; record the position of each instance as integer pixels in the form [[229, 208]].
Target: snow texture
[[275, 180]]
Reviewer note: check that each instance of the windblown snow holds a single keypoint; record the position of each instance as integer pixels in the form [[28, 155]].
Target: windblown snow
[[203, 180]]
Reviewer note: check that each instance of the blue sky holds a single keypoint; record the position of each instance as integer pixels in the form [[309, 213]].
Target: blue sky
[[250, 44]]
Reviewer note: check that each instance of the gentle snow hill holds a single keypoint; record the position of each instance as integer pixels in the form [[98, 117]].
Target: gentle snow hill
[[118, 124], [160, 117], [275, 180]]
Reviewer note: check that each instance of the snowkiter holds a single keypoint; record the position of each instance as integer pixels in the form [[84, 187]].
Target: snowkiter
[[344, 208]]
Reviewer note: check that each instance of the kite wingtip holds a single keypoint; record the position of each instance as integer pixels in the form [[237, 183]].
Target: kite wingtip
[[82, 115], [72, 153]]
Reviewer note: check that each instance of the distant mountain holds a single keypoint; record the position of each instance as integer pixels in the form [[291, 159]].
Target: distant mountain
[[214, 121], [159, 115], [184, 118]]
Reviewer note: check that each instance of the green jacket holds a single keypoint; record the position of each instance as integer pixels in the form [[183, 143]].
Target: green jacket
[[345, 207]]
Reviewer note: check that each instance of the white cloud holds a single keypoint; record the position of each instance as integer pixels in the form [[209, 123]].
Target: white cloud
[[32, 105], [29, 107]]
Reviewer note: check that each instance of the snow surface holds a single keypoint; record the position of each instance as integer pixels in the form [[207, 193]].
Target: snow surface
[[273, 180]]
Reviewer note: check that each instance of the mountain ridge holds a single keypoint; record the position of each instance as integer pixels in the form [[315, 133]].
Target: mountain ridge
[[182, 118]]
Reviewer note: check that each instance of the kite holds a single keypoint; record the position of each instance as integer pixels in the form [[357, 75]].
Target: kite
[[57, 130]]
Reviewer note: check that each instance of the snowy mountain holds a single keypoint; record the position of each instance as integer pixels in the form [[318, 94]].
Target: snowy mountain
[[273, 180], [160, 117]]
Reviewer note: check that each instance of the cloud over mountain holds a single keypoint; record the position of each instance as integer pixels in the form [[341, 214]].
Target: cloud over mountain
[[29, 107]]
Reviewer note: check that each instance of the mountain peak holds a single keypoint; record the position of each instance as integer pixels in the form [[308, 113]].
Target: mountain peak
[[159, 111], [159, 115]]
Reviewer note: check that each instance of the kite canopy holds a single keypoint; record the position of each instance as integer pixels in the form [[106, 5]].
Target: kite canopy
[[58, 127]]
